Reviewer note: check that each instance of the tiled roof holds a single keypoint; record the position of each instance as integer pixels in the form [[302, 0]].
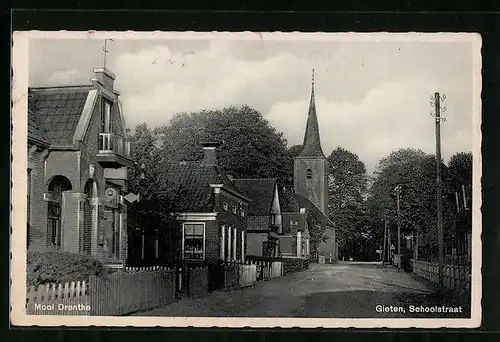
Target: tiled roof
[[260, 191], [312, 143], [292, 202], [314, 210], [58, 111], [35, 134], [192, 180]]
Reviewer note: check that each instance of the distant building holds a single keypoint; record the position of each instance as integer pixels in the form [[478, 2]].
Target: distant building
[[264, 216], [78, 157], [311, 181]]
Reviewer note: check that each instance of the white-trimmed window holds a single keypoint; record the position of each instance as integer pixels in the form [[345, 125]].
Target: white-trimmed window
[[234, 209], [193, 241], [225, 207], [242, 212]]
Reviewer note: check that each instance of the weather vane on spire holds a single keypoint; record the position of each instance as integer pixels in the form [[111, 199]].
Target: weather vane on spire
[[105, 49]]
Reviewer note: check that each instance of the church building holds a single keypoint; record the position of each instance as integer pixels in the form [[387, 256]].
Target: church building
[[311, 181]]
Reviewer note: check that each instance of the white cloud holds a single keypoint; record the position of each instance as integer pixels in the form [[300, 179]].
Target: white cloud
[[387, 119], [372, 97], [67, 77]]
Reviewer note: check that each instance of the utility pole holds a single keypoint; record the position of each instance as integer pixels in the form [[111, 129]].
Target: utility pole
[[437, 116], [389, 245], [385, 239], [398, 191]]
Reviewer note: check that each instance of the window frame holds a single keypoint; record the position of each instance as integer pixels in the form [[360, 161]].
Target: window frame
[[225, 206], [184, 240], [106, 116]]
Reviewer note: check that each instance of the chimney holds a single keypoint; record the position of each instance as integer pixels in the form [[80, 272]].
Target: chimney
[[104, 77], [210, 153]]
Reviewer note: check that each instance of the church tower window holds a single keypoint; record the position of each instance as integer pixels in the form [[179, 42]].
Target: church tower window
[[309, 173]]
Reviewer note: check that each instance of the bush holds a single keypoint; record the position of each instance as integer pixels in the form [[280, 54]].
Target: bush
[[61, 267]]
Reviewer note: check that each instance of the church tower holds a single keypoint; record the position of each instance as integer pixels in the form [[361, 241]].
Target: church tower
[[311, 166]]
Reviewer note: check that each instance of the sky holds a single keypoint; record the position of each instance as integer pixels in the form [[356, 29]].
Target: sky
[[372, 96]]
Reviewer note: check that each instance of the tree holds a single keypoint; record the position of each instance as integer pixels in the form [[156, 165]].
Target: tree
[[415, 171], [460, 169], [347, 187], [457, 184], [150, 218], [251, 147]]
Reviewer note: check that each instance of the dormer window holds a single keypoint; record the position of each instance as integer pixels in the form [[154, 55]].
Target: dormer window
[[309, 173], [225, 207]]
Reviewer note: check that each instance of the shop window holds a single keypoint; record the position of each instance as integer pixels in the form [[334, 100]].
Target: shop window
[[194, 241]]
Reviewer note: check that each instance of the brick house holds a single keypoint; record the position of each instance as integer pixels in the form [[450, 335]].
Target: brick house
[[78, 157], [210, 212], [264, 216]]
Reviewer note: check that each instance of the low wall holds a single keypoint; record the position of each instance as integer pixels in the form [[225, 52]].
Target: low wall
[[247, 275], [455, 277], [231, 274], [291, 265], [276, 269]]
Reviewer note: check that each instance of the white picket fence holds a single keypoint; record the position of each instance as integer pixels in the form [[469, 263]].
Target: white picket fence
[[58, 299]]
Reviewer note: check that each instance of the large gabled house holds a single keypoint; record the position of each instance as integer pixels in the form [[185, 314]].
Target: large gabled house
[[78, 157], [209, 211], [264, 216]]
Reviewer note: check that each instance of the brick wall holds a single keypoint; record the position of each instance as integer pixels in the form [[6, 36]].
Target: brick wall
[[288, 245], [229, 219], [38, 207], [63, 163], [254, 243], [69, 223], [291, 265], [74, 165], [316, 188], [258, 222], [211, 240], [89, 148]]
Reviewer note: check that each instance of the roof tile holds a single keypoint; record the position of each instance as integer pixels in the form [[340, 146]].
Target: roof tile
[[191, 181], [58, 109], [260, 191]]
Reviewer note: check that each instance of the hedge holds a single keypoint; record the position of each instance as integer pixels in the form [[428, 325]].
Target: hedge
[[61, 267]]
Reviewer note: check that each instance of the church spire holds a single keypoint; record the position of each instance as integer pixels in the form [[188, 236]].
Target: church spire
[[312, 143]]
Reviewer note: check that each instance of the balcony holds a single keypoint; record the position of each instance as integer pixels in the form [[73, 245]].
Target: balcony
[[113, 151]]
